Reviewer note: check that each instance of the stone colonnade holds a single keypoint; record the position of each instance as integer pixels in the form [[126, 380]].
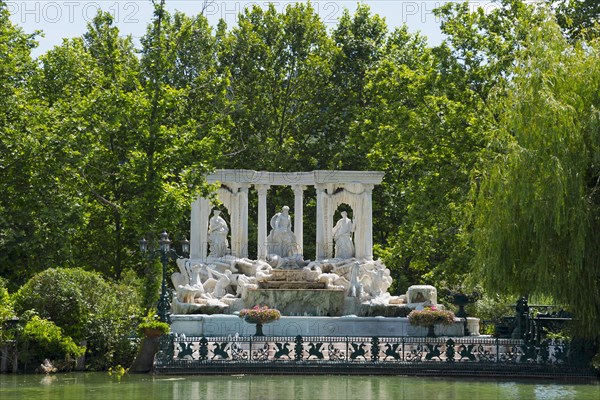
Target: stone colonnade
[[333, 188]]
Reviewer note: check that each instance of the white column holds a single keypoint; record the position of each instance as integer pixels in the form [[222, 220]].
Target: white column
[[363, 237], [234, 215], [195, 247], [320, 245], [299, 217], [328, 220], [243, 207], [368, 207], [199, 228], [262, 221]]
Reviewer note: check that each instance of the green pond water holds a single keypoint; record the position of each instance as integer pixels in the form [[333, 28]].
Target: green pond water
[[101, 386]]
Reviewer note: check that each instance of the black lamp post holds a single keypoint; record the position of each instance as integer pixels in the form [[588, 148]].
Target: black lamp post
[[164, 304]]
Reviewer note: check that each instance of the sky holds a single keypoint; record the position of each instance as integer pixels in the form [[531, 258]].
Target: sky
[[68, 18]]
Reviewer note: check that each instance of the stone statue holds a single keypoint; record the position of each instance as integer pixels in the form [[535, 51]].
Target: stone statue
[[217, 235], [281, 240], [217, 282], [187, 292], [355, 289], [342, 235], [244, 283]]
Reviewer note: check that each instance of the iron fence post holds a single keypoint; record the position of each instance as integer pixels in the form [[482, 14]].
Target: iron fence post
[[497, 351]]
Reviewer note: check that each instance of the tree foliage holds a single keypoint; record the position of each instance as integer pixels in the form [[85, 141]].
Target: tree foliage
[[6, 312], [104, 149], [279, 71], [430, 117], [538, 209], [578, 18], [27, 216]]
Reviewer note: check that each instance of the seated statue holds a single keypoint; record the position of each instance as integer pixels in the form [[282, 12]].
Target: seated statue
[[281, 241], [342, 235], [217, 283], [217, 235]]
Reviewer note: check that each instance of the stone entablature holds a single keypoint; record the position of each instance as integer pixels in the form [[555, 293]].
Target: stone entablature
[[247, 176], [333, 188]]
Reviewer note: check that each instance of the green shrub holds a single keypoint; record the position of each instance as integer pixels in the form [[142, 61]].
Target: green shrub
[[89, 309], [6, 311], [490, 309], [596, 362], [430, 316], [42, 339]]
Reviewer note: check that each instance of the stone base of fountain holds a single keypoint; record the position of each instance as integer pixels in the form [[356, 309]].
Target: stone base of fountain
[[297, 293], [300, 302], [231, 325]]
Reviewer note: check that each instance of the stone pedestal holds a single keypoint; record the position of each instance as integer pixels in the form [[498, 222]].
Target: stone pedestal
[[314, 302], [456, 329], [297, 292], [418, 294], [473, 326]]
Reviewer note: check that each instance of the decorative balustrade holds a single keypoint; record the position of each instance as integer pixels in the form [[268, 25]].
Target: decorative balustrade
[[358, 354]]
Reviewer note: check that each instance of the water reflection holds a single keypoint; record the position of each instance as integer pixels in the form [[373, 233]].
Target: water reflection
[[555, 392], [48, 379], [245, 387], [367, 388]]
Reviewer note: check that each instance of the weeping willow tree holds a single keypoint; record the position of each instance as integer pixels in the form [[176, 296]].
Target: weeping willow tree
[[537, 214]]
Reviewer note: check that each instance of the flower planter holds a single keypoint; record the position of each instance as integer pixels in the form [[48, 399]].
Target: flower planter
[[259, 325], [461, 300], [260, 316], [152, 332], [429, 317]]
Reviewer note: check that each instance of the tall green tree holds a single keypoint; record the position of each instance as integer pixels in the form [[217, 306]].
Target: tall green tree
[[90, 87], [184, 134], [32, 206], [429, 118], [360, 41], [279, 68], [427, 140], [538, 210], [130, 143]]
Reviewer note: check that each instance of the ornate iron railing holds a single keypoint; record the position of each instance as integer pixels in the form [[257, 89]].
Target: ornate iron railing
[[359, 354]]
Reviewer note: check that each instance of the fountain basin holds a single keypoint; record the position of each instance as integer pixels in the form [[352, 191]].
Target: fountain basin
[[231, 325]]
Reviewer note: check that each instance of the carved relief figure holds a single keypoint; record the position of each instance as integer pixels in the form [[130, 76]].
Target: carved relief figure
[[217, 235], [217, 282], [355, 284], [281, 240], [342, 235]]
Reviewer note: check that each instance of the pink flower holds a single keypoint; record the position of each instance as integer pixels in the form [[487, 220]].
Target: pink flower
[[260, 315]]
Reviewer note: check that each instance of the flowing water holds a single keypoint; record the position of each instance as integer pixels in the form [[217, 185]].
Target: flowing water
[[101, 386]]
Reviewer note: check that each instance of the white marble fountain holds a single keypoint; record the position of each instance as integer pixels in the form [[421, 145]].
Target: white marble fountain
[[343, 292]]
